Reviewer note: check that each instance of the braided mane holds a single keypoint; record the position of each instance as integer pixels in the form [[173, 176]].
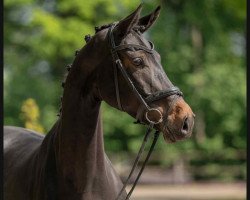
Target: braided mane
[[68, 67], [99, 28]]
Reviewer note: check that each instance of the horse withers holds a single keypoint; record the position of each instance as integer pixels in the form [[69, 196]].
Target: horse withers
[[118, 66]]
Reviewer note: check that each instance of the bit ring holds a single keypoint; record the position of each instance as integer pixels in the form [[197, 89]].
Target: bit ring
[[152, 121]]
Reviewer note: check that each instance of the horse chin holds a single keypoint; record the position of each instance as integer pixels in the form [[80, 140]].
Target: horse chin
[[172, 138], [168, 137]]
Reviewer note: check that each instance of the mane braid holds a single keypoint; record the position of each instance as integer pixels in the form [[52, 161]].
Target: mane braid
[[99, 28], [68, 67], [87, 38]]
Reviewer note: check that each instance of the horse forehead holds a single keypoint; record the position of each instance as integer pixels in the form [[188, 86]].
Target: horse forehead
[[134, 38]]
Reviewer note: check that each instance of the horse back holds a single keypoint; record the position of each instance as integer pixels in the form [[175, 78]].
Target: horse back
[[20, 146], [19, 143]]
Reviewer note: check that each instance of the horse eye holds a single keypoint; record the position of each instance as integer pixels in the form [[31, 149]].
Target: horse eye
[[137, 61]]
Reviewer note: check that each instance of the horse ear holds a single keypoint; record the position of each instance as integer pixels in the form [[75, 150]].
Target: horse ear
[[147, 21], [126, 24]]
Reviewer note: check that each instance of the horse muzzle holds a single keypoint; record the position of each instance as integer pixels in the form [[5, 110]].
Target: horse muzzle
[[175, 124], [179, 122]]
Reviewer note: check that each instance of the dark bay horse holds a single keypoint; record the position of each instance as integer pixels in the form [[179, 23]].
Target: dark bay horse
[[69, 163]]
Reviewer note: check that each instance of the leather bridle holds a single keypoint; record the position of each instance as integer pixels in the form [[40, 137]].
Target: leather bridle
[[143, 100]]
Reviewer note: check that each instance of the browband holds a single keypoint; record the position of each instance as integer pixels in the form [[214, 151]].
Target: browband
[[133, 47]]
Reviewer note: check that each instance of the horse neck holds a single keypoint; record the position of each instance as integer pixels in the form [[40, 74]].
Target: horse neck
[[79, 138]]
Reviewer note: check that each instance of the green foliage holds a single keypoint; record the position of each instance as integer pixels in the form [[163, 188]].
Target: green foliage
[[202, 45]]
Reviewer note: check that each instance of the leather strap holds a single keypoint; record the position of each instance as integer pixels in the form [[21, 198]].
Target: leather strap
[[156, 136], [131, 47], [118, 99], [145, 139], [163, 93], [131, 84]]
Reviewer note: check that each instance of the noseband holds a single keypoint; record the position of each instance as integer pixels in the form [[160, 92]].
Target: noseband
[[143, 100]]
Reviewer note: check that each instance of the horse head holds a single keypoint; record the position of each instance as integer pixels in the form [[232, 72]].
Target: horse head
[[131, 77]]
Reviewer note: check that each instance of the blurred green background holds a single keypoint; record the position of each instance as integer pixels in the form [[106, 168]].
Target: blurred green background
[[202, 45]]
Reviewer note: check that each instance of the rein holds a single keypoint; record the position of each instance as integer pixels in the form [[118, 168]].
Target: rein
[[144, 103]]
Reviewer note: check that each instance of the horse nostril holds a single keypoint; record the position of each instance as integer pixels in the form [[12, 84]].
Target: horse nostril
[[185, 126]]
